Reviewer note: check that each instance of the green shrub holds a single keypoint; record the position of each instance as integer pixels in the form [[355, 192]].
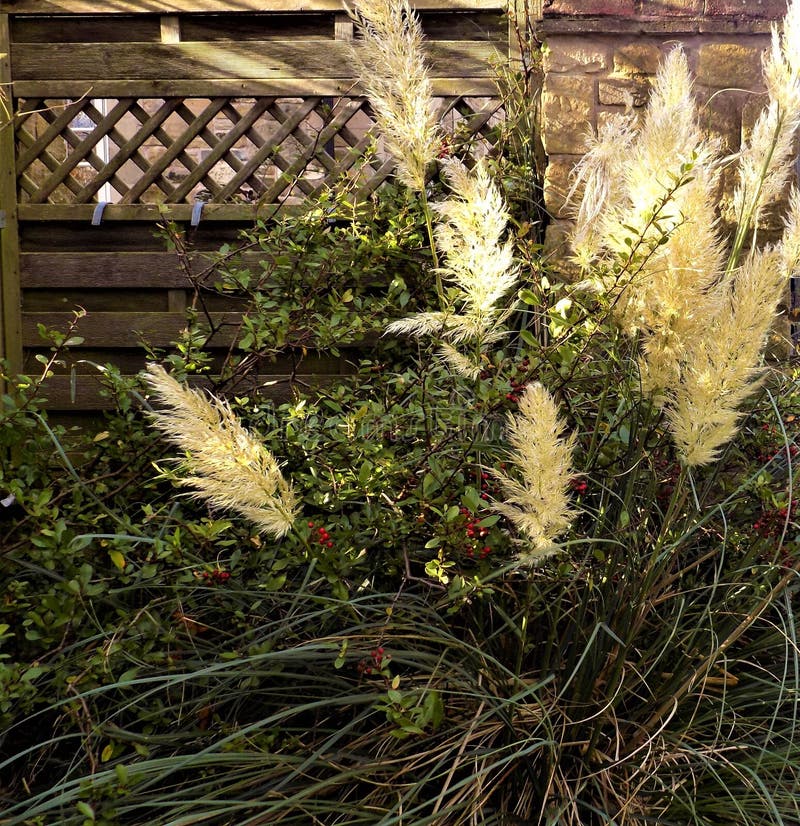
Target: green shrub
[[464, 613]]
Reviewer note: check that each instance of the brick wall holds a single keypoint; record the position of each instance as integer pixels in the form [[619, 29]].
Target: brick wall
[[602, 54]]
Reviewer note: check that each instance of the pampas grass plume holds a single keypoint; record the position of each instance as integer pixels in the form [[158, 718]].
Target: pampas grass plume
[[537, 502], [394, 74], [228, 466]]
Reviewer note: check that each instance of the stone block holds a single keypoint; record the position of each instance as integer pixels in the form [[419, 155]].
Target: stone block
[[557, 182], [567, 54], [613, 8], [720, 114], [628, 93], [568, 105], [725, 65], [672, 8], [751, 110], [766, 9], [637, 59], [556, 239]]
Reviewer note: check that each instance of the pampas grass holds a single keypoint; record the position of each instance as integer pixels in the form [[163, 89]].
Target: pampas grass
[[478, 267], [537, 503], [227, 465], [652, 244], [391, 61]]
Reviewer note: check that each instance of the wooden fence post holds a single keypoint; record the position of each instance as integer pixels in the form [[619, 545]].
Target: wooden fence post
[[10, 309]]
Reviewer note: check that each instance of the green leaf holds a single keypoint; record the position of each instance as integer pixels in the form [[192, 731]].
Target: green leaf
[[472, 499], [430, 484], [85, 809], [365, 473]]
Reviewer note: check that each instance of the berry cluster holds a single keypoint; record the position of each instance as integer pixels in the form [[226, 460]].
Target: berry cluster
[[377, 658], [216, 577], [772, 520], [518, 387], [323, 537], [488, 488], [778, 448], [517, 383], [579, 486], [475, 534]]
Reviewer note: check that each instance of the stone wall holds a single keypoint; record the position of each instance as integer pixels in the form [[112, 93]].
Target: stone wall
[[602, 54]]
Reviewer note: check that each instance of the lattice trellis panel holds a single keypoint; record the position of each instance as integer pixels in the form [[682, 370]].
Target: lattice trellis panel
[[219, 149]]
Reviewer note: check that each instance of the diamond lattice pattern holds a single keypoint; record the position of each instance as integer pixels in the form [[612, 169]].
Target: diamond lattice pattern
[[220, 149]]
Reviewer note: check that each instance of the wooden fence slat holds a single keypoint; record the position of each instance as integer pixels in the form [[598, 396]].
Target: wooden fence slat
[[83, 392], [257, 59], [106, 270], [478, 85], [116, 270], [150, 213], [11, 340], [126, 330], [214, 6]]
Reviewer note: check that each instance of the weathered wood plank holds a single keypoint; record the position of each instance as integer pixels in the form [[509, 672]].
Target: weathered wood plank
[[257, 60], [151, 213], [256, 26], [95, 300], [10, 329], [213, 6], [170, 28], [58, 390], [84, 29], [122, 236], [107, 270], [126, 330], [479, 85]]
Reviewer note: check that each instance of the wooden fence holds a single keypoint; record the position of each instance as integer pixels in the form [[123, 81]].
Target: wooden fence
[[209, 113]]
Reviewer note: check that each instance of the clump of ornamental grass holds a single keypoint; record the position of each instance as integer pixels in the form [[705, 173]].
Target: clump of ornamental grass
[[649, 239], [227, 466]]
